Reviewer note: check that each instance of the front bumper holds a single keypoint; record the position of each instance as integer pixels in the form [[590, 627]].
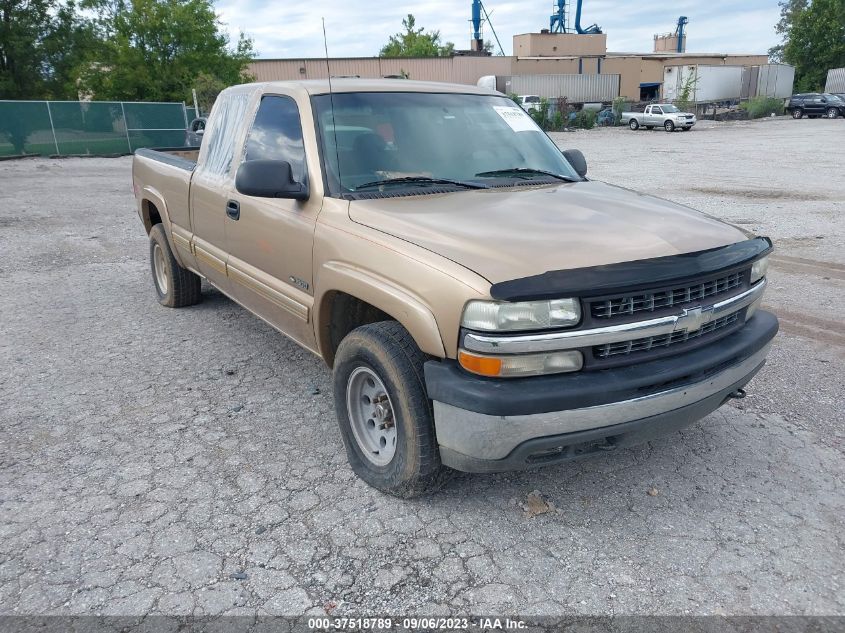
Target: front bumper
[[489, 425]]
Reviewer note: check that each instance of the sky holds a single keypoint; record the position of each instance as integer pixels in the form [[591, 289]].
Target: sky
[[359, 29]]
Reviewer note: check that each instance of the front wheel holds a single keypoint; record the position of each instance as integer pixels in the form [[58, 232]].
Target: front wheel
[[175, 286], [797, 113], [669, 126], [832, 113], [634, 124], [384, 413]]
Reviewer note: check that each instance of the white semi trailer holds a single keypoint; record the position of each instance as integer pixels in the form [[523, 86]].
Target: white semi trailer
[[698, 83]]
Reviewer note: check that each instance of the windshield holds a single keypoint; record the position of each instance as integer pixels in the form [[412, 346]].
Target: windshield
[[415, 138], [834, 98], [670, 108]]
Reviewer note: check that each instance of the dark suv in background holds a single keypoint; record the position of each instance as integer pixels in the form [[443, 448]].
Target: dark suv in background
[[815, 104]]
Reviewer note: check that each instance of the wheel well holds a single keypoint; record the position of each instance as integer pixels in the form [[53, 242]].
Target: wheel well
[[150, 215], [343, 313]]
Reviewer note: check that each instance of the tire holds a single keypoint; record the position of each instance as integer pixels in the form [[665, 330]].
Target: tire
[[669, 126], [649, 127], [798, 113], [380, 363], [832, 113], [634, 124], [175, 286]]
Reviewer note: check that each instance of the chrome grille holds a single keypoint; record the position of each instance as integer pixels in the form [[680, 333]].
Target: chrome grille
[[651, 301], [653, 342]]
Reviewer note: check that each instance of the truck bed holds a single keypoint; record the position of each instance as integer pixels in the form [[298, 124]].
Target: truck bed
[[165, 178]]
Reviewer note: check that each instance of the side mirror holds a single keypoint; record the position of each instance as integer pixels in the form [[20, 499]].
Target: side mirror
[[269, 179], [577, 160]]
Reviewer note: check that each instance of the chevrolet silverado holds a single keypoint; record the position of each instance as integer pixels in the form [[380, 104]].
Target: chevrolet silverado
[[482, 304]]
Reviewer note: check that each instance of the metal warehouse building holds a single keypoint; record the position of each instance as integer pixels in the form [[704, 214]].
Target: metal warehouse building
[[641, 74]]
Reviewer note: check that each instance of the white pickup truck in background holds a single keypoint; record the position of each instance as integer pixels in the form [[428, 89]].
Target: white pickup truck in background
[[664, 115]]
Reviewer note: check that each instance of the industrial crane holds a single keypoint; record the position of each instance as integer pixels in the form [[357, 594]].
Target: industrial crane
[[557, 21]]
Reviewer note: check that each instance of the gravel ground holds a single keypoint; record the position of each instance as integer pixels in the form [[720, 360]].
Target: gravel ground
[[188, 461]]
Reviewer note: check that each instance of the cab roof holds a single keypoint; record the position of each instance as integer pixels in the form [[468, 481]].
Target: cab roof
[[344, 84]]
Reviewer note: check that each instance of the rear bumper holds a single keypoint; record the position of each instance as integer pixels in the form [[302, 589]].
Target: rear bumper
[[487, 425]]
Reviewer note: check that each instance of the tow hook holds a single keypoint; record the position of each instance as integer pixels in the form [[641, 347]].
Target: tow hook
[[739, 394]]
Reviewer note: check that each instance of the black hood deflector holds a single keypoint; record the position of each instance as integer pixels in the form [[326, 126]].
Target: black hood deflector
[[641, 274]]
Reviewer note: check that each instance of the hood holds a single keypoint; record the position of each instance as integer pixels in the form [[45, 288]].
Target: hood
[[504, 234]]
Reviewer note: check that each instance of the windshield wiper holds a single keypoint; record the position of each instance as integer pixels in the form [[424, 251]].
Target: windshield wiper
[[527, 171], [420, 180]]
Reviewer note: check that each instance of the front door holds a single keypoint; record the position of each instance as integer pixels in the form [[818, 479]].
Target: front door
[[270, 240]]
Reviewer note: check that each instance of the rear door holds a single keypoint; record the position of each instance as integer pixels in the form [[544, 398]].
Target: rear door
[[212, 183], [270, 242]]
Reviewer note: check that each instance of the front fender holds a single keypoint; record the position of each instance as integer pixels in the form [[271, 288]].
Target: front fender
[[398, 302]]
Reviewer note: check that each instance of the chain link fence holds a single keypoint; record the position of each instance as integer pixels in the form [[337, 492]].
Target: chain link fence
[[96, 128]]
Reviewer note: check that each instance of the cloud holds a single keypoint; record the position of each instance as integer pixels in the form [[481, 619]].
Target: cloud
[[360, 29]]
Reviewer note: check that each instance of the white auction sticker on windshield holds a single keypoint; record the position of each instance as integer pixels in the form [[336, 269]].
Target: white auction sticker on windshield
[[516, 118]]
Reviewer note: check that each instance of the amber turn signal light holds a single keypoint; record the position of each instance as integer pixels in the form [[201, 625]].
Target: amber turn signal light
[[483, 365]]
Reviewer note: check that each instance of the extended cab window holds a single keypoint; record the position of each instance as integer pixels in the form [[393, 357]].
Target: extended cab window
[[276, 134], [656, 110]]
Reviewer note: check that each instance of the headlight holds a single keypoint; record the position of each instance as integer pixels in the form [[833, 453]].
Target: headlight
[[527, 315], [758, 270]]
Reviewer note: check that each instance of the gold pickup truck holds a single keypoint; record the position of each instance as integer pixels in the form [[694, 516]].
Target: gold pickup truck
[[482, 304]]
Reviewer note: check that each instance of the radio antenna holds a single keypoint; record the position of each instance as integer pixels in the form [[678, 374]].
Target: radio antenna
[[331, 103]]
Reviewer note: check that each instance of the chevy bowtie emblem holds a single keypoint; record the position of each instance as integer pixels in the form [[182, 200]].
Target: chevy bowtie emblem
[[692, 319]]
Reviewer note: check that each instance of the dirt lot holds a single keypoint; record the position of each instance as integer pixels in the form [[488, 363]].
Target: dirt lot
[[163, 461]]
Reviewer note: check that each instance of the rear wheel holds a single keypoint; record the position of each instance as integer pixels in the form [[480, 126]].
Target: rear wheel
[[797, 113], [384, 413], [634, 124], [175, 286], [669, 126], [832, 113]]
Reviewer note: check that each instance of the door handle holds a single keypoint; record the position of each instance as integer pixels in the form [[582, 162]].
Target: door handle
[[233, 210]]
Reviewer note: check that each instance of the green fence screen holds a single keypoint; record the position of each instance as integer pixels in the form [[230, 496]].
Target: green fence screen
[[97, 128]]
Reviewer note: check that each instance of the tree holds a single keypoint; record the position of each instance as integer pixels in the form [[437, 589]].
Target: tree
[[41, 42], [814, 40], [788, 10], [156, 49], [416, 43], [207, 87], [22, 27], [72, 42]]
